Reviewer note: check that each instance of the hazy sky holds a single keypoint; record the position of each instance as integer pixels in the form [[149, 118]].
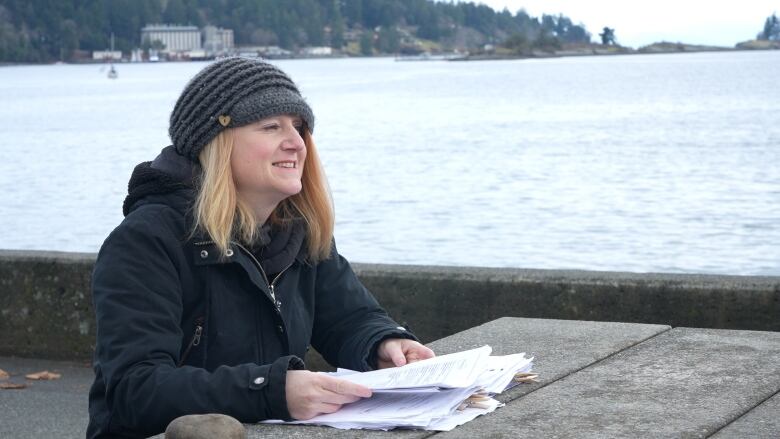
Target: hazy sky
[[642, 22]]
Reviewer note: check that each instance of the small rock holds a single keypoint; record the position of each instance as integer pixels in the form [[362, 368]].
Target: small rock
[[205, 427]]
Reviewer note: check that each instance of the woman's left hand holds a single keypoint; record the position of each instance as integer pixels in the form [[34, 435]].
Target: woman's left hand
[[399, 351]]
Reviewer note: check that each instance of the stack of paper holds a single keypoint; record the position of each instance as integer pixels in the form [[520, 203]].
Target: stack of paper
[[435, 394]]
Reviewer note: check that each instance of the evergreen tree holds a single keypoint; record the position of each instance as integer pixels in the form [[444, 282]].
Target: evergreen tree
[[771, 29], [608, 36], [518, 43], [389, 40], [353, 10], [367, 43], [175, 12], [337, 33], [428, 25]]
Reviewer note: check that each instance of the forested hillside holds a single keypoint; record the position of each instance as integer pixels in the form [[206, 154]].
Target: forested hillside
[[49, 30]]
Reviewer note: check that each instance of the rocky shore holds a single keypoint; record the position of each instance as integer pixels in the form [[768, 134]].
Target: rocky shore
[[600, 49]]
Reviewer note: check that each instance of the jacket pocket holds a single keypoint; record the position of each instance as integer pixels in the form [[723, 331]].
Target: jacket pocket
[[194, 341]]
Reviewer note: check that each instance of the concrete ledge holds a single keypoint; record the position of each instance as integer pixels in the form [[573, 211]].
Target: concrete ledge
[[439, 301], [46, 307]]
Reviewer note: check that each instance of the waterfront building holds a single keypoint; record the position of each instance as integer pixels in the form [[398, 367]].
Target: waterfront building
[[317, 51], [188, 42], [106, 55], [217, 40], [264, 52], [175, 38]]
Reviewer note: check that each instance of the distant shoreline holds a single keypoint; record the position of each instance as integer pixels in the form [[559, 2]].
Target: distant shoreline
[[662, 47]]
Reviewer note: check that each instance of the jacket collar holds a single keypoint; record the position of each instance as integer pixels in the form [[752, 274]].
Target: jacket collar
[[169, 179]]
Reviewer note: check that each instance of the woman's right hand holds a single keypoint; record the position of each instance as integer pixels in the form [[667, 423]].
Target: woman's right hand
[[310, 394]]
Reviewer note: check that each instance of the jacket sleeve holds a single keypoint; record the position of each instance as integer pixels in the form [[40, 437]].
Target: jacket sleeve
[[138, 302], [348, 321]]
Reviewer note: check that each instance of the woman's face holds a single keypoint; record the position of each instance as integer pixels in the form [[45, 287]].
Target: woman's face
[[267, 160]]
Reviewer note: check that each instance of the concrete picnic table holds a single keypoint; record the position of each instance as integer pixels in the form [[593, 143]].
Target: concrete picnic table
[[597, 379]]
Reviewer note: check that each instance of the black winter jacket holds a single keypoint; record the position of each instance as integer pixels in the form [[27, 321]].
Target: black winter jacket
[[182, 331]]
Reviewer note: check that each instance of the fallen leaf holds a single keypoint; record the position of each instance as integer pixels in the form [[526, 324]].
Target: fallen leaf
[[3, 375], [526, 377], [43, 375], [12, 386]]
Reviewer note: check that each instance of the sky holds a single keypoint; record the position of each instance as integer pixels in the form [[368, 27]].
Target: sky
[[641, 22]]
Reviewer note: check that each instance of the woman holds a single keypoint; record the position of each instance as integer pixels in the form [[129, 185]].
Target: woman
[[224, 270]]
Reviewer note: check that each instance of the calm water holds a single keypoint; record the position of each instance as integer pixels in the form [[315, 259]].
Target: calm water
[[664, 163]]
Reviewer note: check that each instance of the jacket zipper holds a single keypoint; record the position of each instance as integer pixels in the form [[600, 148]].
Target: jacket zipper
[[277, 303], [194, 341], [272, 284], [259, 267]]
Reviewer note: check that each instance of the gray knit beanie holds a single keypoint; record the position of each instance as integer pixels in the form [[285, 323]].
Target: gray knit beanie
[[230, 93]]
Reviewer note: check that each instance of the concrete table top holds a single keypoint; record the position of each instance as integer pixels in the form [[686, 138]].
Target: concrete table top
[[760, 422], [597, 379], [682, 383], [561, 347]]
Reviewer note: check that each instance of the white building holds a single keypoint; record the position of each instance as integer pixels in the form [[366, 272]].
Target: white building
[[264, 51], [318, 51], [174, 38], [109, 55], [217, 40]]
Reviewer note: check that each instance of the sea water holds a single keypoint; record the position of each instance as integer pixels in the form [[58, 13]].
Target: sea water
[[645, 163]]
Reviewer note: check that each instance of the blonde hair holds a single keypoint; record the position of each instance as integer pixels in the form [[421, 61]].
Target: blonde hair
[[224, 217]]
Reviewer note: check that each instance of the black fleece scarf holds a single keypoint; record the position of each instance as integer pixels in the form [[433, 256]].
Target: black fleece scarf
[[278, 249]]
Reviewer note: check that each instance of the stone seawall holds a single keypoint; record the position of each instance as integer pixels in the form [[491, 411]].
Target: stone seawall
[[46, 307]]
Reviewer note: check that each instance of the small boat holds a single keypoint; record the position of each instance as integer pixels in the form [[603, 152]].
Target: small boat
[[112, 74]]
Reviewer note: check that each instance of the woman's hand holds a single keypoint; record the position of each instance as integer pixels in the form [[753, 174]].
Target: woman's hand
[[310, 394], [399, 351]]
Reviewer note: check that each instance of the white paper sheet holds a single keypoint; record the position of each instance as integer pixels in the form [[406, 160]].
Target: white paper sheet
[[432, 394], [500, 371], [389, 410], [449, 371]]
